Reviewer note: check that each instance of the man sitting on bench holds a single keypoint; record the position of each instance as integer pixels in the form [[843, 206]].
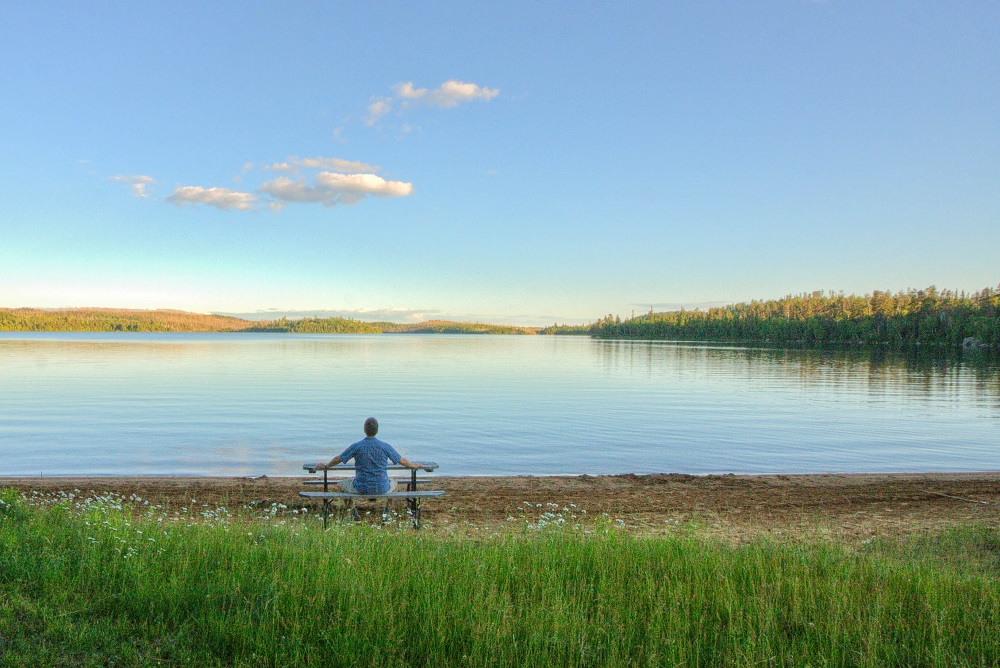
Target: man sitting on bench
[[370, 456]]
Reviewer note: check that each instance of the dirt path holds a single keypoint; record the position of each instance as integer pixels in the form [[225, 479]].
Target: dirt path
[[840, 507]]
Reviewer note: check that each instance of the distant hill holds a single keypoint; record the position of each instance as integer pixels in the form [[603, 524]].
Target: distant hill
[[317, 326], [351, 326], [449, 327], [125, 320], [115, 320]]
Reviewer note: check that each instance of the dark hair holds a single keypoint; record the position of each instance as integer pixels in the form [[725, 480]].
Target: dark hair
[[371, 427]]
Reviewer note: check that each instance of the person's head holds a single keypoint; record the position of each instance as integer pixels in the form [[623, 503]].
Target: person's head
[[371, 427]]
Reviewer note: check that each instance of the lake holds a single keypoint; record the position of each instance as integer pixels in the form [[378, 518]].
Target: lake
[[253, 404]]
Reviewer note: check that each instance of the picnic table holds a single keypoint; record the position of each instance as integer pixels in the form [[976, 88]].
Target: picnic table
[[413, 496]]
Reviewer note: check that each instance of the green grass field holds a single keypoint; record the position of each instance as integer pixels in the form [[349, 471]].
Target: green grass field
[[102, 581]]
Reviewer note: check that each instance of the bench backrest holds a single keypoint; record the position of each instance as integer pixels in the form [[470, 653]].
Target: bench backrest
[[427, 466]]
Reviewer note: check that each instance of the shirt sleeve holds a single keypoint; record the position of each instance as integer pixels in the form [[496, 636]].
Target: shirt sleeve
[[349, 452], [391, 453]]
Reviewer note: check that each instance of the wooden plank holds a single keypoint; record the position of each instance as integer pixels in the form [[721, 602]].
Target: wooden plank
[[334, 480], [426, 494], [427, 466]]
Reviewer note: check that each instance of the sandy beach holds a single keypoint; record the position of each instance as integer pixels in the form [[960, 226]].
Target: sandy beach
[[843, 508]]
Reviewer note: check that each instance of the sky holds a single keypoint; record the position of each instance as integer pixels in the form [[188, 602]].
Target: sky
[[517, 162]]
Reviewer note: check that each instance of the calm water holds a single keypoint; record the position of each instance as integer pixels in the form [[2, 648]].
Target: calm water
[[244, 404]]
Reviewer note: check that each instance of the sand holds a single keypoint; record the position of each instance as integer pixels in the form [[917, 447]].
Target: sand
[[844, 508]]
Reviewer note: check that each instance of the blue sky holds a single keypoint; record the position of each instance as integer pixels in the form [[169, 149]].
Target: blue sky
[[525, 162]]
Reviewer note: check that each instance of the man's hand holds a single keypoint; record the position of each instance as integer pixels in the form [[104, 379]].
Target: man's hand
[[330, 464]]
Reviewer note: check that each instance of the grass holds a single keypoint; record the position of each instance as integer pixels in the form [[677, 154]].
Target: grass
[[102, 581]]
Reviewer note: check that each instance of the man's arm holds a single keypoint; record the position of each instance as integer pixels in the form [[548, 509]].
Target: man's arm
[[330, 464], [410, 465]]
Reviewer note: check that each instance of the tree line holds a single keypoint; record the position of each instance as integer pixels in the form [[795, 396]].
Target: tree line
[[318, 326], [125, 320], [910, 318], [351, 326], [115, 320], [928, 317]]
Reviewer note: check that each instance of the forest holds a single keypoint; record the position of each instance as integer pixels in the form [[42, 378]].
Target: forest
[[911, 318], [124, 320], [351, 326], [115, 320], [928, 317]]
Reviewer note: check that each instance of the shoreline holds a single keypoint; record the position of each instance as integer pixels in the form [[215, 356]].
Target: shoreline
[[843, 507], [717, 474]]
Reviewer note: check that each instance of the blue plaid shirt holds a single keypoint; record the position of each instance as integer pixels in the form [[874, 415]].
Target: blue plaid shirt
[[370, 455]]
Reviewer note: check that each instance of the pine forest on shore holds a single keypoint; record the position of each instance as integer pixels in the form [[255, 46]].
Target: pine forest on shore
[[929, 317]]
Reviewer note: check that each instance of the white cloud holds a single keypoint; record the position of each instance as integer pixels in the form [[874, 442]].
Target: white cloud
[[376, 110], [447, 95], [247, 168], [330, 189], [326, 181], [285, 189], [333, 164], [220, 198], [364, 184], [137, 183], [408, 92]]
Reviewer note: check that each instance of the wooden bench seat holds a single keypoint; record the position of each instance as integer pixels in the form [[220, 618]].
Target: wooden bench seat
[[423, 494], [410, 493], [334, 481]]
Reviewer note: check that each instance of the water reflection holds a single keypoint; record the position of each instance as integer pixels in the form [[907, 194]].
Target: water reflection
[[975, 374], [243, 403]]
